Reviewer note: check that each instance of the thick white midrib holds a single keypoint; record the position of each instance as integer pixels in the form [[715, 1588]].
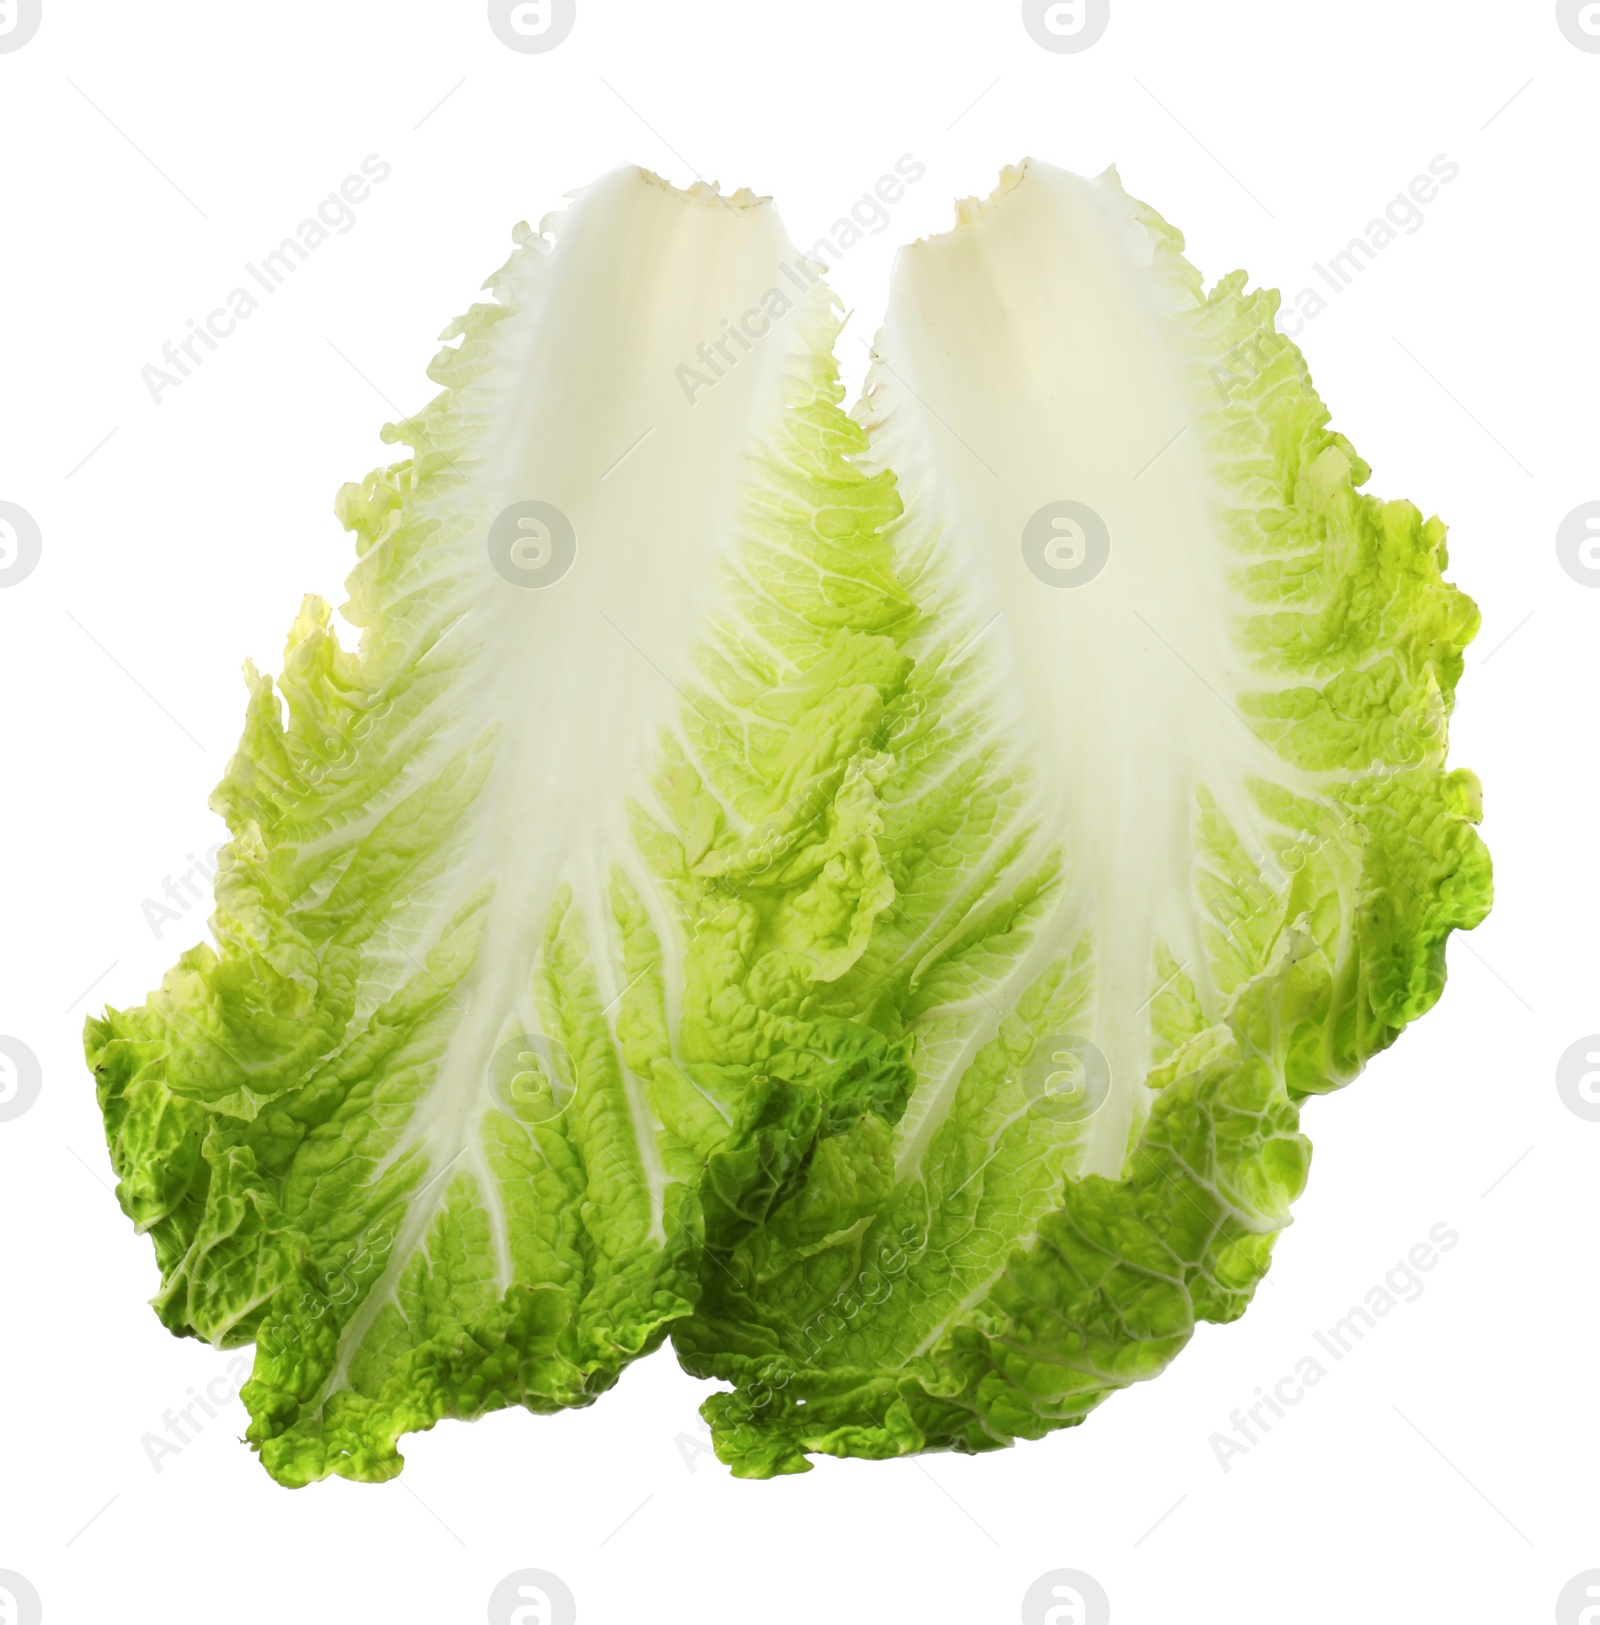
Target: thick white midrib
[[548, 815], [445, 1125], [578, 711], [986, 324], [1124, 825], [595, 733]]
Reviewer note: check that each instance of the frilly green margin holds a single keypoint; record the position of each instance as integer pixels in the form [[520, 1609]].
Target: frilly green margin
[[1119, 1277]]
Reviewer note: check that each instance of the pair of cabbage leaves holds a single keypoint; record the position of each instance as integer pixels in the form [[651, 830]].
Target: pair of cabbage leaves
[[863, 897]]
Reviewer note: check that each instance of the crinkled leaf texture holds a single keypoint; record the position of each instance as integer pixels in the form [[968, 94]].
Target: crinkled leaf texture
[[1218, 820], [536, 907], [845, 939]]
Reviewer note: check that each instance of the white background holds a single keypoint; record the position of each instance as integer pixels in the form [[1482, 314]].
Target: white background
[[1445, 1469]]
